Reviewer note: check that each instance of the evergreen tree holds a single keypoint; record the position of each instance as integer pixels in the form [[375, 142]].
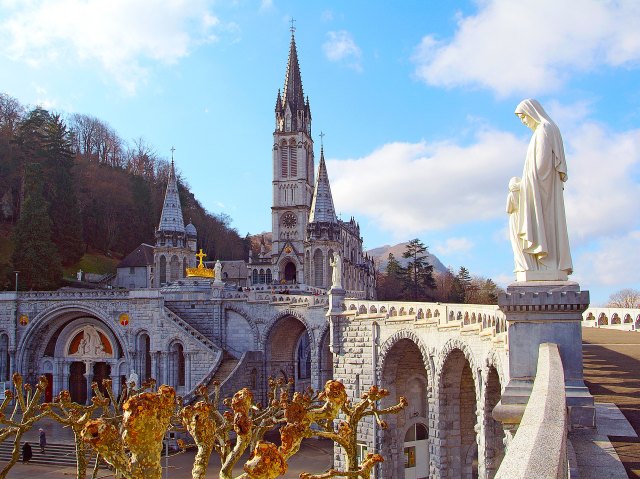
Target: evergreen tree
[[461, 286], [65, 214], [418, 272], [35, 255], [389, 286]]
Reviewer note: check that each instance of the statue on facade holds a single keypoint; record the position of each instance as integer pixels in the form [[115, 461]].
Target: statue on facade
[[539, 223], [218, 272], [336, 277]]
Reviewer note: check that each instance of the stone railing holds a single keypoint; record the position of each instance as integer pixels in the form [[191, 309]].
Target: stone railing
[[73, 294], [539, 448], [613, 318], [472, 317]]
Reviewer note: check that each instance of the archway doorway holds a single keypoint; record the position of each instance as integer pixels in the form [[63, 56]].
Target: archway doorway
[[78, 382], [404, 374], [288, 352], [290, 272]]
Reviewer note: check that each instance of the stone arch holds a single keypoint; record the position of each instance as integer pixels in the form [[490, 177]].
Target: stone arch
[[373, 309], [281, 345], [628, 318], [363, 309], [420, 314], [177, 364], [603, 320], [457, 396], [174, 269], [143, 358], [615, 319], [404, 370], [393, 312], [46, 323]]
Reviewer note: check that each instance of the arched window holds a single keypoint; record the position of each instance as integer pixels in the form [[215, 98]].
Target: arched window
[[163, 270], [269, 277], [144, 350], [293, 161], [317, 269], [174, 269], [178, 364], [304, 357], [261, 277], [284, 161], [254, 277]]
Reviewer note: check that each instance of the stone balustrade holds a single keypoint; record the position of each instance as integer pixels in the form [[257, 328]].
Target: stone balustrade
[[539, 448], [627, 319], [467, 317]]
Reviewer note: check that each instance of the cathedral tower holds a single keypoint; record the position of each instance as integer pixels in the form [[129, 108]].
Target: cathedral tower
[[293, 172]]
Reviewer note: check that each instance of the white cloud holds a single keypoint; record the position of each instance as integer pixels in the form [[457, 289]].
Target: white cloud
[[341, 47], [615, 263], [434, 186], [429, 186], [122, 36], [531, 47], [454, 246], [266, 5]]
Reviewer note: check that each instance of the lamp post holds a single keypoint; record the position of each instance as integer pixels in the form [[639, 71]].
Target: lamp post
[[17, 273]]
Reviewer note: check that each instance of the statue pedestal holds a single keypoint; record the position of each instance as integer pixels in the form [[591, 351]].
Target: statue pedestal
[[542, 275], [545, 312]]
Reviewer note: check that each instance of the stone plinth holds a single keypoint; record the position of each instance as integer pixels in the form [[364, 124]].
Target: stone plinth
[[545, 312]]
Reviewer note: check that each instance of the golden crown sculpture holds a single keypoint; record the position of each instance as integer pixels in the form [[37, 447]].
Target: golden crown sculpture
[[201, 271]]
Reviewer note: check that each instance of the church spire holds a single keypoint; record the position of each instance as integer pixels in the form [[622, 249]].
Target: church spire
[[171, 218], [292, 93], [322, 210]]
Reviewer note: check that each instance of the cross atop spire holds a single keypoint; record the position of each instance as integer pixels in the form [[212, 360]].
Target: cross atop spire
[[322, 139], [292, 28]]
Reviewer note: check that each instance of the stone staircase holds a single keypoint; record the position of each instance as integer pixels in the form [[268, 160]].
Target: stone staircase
[[56, 454], [193, 332], [225, 369]]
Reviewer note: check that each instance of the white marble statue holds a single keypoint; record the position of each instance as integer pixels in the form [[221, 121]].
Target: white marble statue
[[336, 277], [217, 270], [133, 380], [541, 222]]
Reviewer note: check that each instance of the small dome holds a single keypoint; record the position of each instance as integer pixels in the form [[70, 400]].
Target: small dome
[[190, 230]]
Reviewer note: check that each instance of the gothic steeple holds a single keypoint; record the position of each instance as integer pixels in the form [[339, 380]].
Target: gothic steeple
[[322, 210], [171, 218], [292, 111]]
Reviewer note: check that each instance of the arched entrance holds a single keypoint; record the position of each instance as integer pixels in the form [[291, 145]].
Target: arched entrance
[[288, 352], [290, 272], [457, 418], [404, 374], [73, 349]]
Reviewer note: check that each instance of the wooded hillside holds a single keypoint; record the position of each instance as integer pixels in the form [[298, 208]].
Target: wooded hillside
[[73, 182]]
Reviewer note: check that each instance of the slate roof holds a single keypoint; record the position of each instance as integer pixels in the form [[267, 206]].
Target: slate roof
[[171, 218], [322, 210], [141, 256]]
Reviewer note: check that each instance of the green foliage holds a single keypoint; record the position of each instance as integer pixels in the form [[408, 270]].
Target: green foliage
[[418, 274], [390, 286], [36, 256]]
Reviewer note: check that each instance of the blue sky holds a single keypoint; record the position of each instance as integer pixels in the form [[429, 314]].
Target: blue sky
[[416, 100]]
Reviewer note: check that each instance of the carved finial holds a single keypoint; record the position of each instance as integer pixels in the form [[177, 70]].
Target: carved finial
[[322, 140], [292, 28]]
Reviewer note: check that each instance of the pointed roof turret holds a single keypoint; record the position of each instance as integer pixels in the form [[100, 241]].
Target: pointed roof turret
[[278, 102], [171, 218], [322, 209], [293, 94]]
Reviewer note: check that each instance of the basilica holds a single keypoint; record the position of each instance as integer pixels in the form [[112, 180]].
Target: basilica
[[306, 231]]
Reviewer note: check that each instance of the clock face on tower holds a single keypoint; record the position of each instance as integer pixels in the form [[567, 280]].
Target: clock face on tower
[[289, 220]]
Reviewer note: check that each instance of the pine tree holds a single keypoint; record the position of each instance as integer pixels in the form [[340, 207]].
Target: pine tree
[[35, 255], [461, 286], [65, 214], [418, 272]]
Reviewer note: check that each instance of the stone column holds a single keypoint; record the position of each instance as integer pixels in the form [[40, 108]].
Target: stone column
[[66, 367], [336, 300], [544, 312], [154, 365], [89, 376], [187, 371], [164, 359]]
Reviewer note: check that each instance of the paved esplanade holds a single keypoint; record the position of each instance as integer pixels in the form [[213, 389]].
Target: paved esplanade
[[612, 373]]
